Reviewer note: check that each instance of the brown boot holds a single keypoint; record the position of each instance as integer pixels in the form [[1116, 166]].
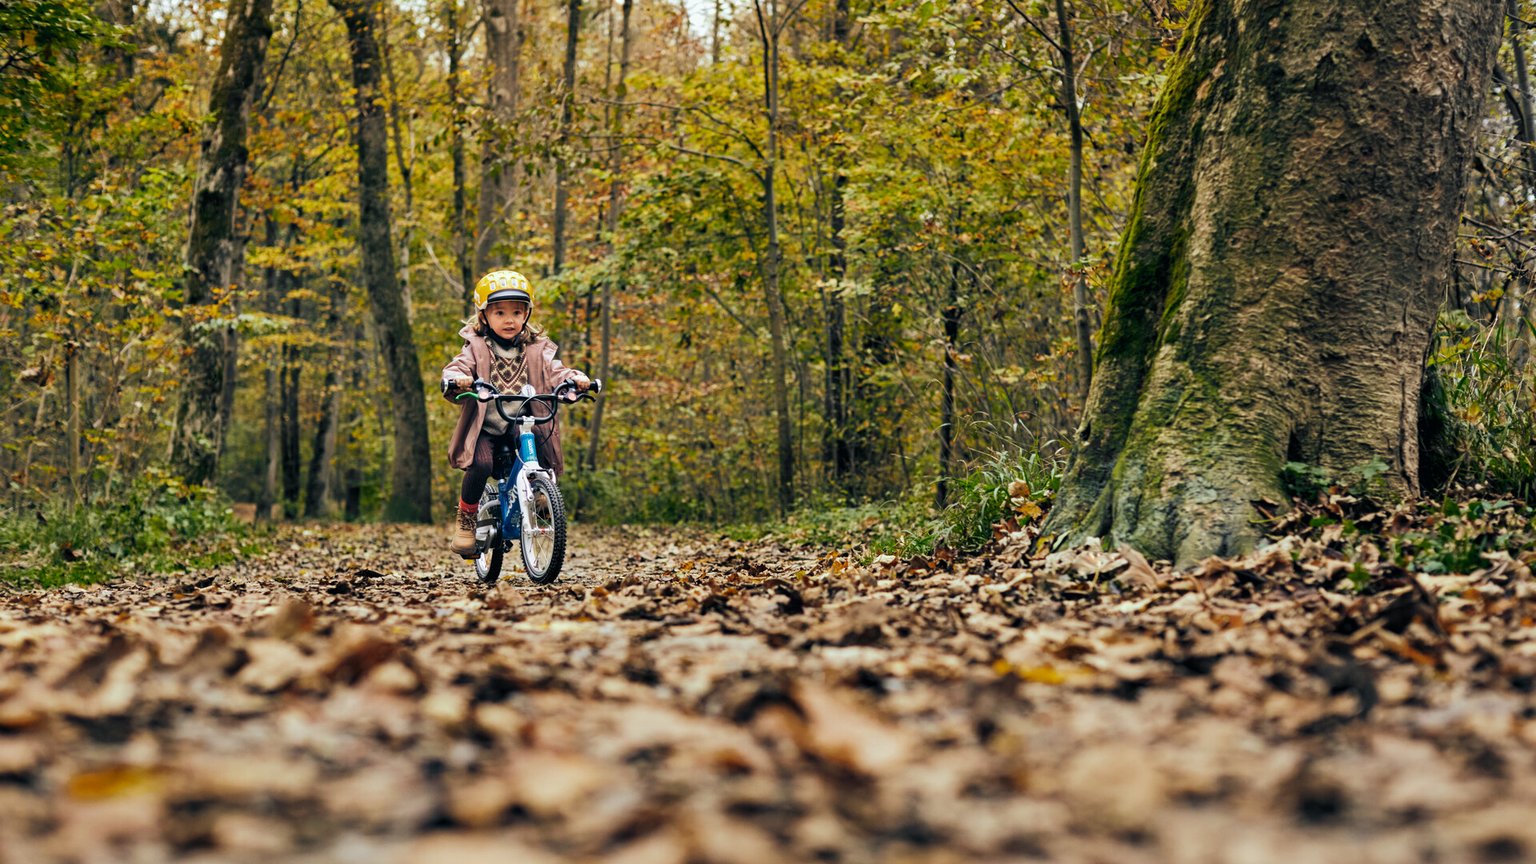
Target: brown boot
[[463, 542]]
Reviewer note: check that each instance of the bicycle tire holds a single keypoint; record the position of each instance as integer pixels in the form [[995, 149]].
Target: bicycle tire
[[488, 561], [543, 547]]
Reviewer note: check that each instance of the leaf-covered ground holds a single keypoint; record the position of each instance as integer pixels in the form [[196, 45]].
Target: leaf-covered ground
[[355, 696]]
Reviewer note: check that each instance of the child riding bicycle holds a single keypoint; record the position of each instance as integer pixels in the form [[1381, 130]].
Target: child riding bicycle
[[502, 347]]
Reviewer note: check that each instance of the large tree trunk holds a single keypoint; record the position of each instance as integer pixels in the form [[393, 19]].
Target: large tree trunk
[[498, 175], [214, 248], [616, 167], [1275, 291], [410, 494]]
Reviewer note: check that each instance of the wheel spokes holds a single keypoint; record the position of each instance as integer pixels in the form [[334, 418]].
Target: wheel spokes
[[541, 533]]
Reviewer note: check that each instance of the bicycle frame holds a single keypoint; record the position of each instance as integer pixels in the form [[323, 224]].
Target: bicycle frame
[[525, 461], [521, 483]]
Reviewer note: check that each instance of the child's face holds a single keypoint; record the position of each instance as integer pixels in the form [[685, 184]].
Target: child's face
[[506, 317]]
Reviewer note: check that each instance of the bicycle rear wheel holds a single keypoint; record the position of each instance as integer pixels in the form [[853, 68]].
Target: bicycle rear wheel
[[543, 543], [488, 562]]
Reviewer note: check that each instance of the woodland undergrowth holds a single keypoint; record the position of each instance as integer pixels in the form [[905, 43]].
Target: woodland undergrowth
[[157, 524]]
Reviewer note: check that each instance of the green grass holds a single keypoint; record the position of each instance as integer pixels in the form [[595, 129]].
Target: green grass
[[1000, 486], [1486, 399], [158, 524]]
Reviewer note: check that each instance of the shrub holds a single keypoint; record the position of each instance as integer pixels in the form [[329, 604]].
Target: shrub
[[157, 523]]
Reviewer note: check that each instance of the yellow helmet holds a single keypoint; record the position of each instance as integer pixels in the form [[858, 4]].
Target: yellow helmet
[[502, 285]]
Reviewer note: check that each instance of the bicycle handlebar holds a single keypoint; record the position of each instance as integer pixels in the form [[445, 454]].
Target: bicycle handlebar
[[485, 391]]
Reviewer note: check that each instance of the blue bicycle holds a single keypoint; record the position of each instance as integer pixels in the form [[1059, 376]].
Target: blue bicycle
[[521, 502]]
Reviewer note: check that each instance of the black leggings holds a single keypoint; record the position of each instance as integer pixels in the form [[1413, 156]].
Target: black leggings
[[485, 458], [478, 472]]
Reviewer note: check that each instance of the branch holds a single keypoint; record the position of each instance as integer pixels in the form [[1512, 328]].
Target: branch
[[975, 37], [277, 74], [737, 133], [784, 19], [447, 277], [720, 156], [1480, 265], [729, 311], [1036, 27]]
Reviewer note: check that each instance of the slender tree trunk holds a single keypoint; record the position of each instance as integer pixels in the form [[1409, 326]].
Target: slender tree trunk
[[951, 318], [456, 122], [289, 381], [397, 138], [322, 458], [835, 446], [615, 170], [1075, 203], [271, 400], [768, 31], [714, 34], [410, 496], [498, 174], [322, 455], [272, 433], [352, 506], [1275, 293], [214, 248], [563, 135], [72, 424], [1521, 93], [1519, 99]]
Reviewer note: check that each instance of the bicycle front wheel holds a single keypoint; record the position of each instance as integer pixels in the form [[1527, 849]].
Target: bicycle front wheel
[[543, 539], [488, 562]]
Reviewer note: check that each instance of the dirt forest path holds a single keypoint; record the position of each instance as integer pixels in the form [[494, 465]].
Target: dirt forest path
[[354, 696]]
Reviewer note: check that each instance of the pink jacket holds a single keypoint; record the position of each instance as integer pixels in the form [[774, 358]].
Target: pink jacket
[[545, 372]]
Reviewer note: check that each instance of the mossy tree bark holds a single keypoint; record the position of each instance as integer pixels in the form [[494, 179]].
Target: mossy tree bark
[[1276, 288]]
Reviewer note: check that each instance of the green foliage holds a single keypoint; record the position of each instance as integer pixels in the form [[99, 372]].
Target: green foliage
[[1453, 537], [1308, 482], [1003, 491], [1445, 537], [1005, 485], [157, 524], [1488, 392], [873, 528], [38, 40]]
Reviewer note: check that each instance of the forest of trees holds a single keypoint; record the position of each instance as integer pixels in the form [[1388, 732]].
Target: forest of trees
[[824, 251]]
